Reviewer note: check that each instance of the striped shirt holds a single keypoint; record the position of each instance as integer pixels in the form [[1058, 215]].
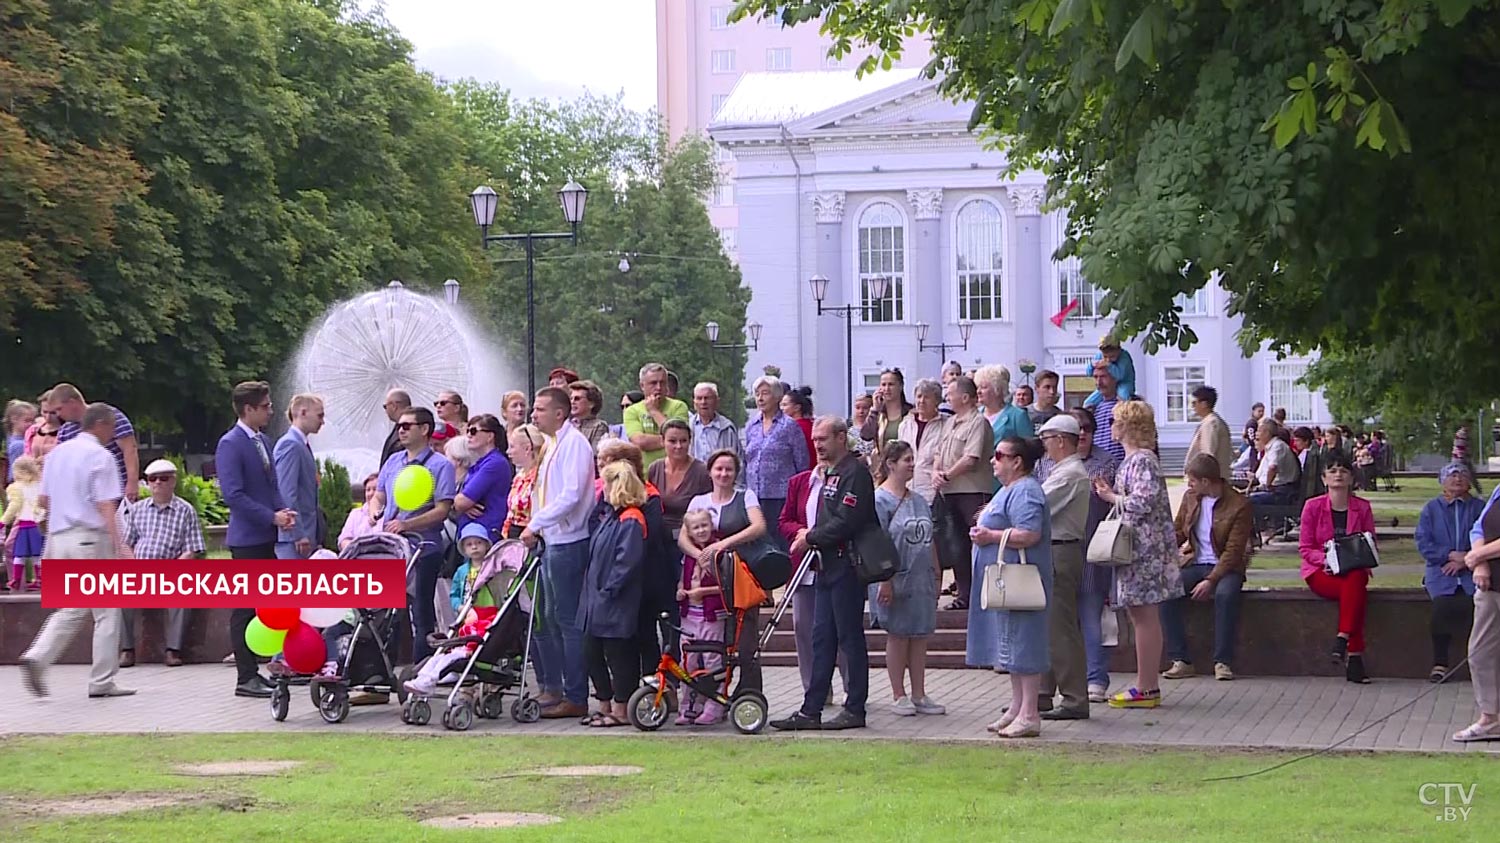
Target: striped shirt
[[161, 532], [123, 430]]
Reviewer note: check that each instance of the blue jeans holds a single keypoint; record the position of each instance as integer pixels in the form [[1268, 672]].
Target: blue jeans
[[1227, 600], [839, 629], [1090, 609], [423, 612], [561, 638]]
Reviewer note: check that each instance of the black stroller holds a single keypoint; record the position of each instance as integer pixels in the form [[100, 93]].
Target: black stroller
[[366, 655], [498, 664]]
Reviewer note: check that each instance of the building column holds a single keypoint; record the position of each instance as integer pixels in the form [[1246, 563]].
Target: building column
[[924, 274], [830, 364], [1029, 278]]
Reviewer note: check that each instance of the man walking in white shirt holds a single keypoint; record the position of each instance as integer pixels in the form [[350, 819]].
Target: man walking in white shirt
[[562, 500], [81, 492]]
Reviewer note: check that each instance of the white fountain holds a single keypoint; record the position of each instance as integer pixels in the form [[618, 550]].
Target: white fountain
[[392, 339]]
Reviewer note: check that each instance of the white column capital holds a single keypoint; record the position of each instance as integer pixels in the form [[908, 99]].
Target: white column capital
[[926, 202], [1027, 201], [828, 206]]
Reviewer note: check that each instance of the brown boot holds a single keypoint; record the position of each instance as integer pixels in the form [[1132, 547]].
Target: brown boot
[[127, 658], [563, 709], [173, 659]]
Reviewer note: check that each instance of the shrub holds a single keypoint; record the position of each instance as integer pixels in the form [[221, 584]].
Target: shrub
[[334, 499]]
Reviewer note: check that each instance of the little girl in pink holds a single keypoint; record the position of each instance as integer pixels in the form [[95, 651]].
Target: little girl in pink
[[702, 605], [24, 512]]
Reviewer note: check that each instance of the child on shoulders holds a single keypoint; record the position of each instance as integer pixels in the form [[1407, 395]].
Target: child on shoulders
[[1121, 367]]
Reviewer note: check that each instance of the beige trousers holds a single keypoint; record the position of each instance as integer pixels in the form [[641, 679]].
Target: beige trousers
[[1484, 651], [58, 630]]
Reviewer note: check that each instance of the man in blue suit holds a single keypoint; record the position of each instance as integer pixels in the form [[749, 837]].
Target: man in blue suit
[[297, 478], [247, 477]]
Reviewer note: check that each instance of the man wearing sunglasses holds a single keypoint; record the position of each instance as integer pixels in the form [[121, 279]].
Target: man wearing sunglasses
[[163, 526], [414, 431]]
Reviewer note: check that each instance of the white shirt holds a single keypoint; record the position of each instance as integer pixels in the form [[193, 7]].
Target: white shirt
[[1278, 454], [706, 501], [80, 474], [1204, 530], [564, 490], [814, 499]]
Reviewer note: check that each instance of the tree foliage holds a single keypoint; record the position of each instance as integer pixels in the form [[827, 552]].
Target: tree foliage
[[645, 205], [1331, 160]]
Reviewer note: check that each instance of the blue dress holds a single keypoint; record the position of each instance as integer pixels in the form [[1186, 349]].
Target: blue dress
[[1016, 641], [913, 609]]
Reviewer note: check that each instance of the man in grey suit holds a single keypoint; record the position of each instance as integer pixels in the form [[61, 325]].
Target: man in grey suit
[[297, 478]]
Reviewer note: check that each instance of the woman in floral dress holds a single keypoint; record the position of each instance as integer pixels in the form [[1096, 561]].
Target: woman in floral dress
[[1152, 578]]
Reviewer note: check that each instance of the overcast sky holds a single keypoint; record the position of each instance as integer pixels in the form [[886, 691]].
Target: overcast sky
[[537, 49]]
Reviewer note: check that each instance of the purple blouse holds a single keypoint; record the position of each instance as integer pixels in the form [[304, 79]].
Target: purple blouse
[[772, 458]]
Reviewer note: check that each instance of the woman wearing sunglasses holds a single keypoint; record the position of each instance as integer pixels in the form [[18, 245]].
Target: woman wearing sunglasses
[[483, 497]]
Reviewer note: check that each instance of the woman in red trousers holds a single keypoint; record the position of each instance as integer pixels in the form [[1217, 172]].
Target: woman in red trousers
[[1334, 515]]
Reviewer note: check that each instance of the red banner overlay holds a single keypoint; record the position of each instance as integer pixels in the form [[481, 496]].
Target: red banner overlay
[[232, 584]]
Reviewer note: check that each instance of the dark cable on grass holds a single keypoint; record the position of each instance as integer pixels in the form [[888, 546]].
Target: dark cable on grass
[[1340, 742]]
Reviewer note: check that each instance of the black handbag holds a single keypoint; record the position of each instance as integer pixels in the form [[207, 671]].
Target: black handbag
[[1354, 552], [950, 536], [875, 556]]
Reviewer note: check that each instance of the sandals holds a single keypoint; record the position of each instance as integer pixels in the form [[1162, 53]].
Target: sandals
[[1476, 732], [1437, 674], [600, 720]]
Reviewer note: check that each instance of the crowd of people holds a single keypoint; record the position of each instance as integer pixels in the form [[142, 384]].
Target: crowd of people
[[961, 473]]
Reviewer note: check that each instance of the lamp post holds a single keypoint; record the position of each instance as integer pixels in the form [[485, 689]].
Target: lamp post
[[450, 292], [819, 286], [482, 202], [965, 330], [753, 329]]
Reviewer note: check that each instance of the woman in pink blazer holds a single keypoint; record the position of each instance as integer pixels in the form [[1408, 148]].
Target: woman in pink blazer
[[1339, 513]]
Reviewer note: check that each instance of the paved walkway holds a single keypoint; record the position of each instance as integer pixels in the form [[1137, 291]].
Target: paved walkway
[[1276, 712]]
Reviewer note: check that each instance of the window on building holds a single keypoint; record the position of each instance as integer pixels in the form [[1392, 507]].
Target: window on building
[[977, 261], [882, 254], [1179, 383], [871, 380], [779, 58], [730, 237], [721, 61], [716, 104], [1195, 304], [1287, 390], [724, 194], [718, 17], [1071, 284]]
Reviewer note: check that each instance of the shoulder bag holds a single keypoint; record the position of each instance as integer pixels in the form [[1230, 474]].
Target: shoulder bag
[[1012, 587], [875, 556], [1113, 543], [1353, 552]]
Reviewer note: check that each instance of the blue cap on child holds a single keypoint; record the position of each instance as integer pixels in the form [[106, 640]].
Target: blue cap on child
[[474, 530]]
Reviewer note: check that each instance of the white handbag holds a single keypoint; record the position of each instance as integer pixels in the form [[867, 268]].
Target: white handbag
[[1113, 543], [1010, 586]]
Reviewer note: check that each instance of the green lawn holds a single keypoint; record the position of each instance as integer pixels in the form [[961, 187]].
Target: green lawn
[[377, 788]]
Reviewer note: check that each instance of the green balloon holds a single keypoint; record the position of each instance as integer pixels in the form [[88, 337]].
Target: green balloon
[[413, 488], [262, 640]]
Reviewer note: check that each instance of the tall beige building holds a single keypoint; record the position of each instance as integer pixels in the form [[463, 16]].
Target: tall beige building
[[700, 56]]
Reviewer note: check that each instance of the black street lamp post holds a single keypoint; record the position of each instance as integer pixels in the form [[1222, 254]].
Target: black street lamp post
[[753, 329], [847, 312], [965, 329], [482, 201]]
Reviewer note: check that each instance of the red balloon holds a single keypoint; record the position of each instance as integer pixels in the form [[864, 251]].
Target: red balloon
[[304, 649], [279, 618]]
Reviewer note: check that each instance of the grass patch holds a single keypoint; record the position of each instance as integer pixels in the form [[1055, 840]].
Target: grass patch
[[379, 787]]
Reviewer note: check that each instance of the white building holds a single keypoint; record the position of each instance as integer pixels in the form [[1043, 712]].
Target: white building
[[853, 179]]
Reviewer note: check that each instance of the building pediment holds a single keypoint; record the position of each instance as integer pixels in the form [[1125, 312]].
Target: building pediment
[[922, 108]]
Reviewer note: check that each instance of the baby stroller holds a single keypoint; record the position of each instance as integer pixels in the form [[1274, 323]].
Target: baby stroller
[[366, 655], [745, 587], [498, 664]]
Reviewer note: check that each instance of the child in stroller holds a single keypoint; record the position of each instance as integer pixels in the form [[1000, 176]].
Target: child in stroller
[[476, 604]]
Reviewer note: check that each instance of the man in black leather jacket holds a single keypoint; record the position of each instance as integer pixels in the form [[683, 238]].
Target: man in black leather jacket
[[846, 509]]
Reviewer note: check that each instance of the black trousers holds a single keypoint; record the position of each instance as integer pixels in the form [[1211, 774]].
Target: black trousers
[[614, 666], [245, 666], [1451, 616]]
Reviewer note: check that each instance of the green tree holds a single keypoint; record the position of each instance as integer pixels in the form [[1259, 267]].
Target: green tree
[[1331, 160], [645, 204]]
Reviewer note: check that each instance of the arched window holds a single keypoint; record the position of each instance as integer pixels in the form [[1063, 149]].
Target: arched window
[[882, 254], [1071, 285], [978, 259]]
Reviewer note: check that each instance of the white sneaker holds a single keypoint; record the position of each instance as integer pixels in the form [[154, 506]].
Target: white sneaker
[[1109, 628], [925, 705], [904, 708], [1098, 694], [420, 688]]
